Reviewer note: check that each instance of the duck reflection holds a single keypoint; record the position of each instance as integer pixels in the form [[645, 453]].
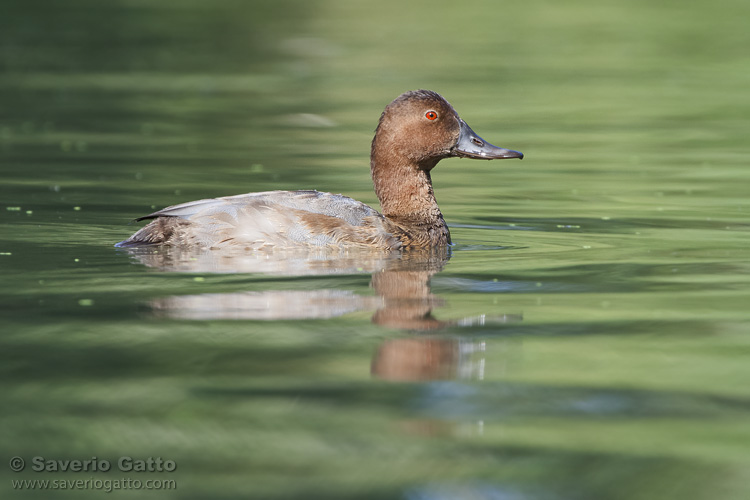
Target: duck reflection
[[403, 300], [422, 359]]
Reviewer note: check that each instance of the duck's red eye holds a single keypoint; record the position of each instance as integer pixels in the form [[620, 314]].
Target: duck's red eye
[[430, 115]]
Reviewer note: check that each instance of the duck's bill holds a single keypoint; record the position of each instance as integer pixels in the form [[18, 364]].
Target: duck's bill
[[470, 145]]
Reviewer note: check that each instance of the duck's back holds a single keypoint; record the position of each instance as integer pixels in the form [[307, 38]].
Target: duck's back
[[272, 219]]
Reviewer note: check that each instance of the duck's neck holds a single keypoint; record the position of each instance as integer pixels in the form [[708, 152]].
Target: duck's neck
[[405, 191], [406, 196]]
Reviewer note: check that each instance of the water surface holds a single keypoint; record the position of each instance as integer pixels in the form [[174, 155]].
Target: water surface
[[585, 338]]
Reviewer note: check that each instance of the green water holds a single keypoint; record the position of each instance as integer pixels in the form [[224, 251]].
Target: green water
[[586, 338]]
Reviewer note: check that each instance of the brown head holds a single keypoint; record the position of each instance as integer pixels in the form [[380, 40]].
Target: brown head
[[416, 131]]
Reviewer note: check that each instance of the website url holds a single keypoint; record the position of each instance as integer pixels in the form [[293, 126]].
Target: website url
[[106, 485]]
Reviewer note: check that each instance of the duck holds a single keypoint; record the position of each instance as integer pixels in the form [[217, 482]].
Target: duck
[[415, 131]]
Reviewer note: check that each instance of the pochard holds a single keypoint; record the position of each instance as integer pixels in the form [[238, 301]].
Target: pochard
[[416, 131]]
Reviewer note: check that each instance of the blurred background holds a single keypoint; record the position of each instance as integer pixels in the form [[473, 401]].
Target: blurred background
[[586, 337]]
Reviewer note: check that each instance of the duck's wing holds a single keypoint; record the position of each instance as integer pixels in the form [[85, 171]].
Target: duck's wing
[[267, 220]]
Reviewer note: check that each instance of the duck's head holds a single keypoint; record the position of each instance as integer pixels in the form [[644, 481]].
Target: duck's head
[[422, 128]]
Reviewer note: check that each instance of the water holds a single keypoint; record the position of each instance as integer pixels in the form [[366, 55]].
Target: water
[[586, 337]]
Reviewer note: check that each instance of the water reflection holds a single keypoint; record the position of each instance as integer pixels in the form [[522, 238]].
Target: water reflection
[[401, 281], [421, 359], [291, 262], [473, 490], [266, 305], [403, 300]]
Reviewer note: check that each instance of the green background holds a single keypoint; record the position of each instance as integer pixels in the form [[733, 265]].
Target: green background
[[605, 278]]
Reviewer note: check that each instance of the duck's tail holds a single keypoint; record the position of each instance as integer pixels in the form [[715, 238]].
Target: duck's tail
[[158, 232]]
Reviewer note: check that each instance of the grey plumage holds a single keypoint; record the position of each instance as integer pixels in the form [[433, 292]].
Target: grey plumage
[[266, 220]]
